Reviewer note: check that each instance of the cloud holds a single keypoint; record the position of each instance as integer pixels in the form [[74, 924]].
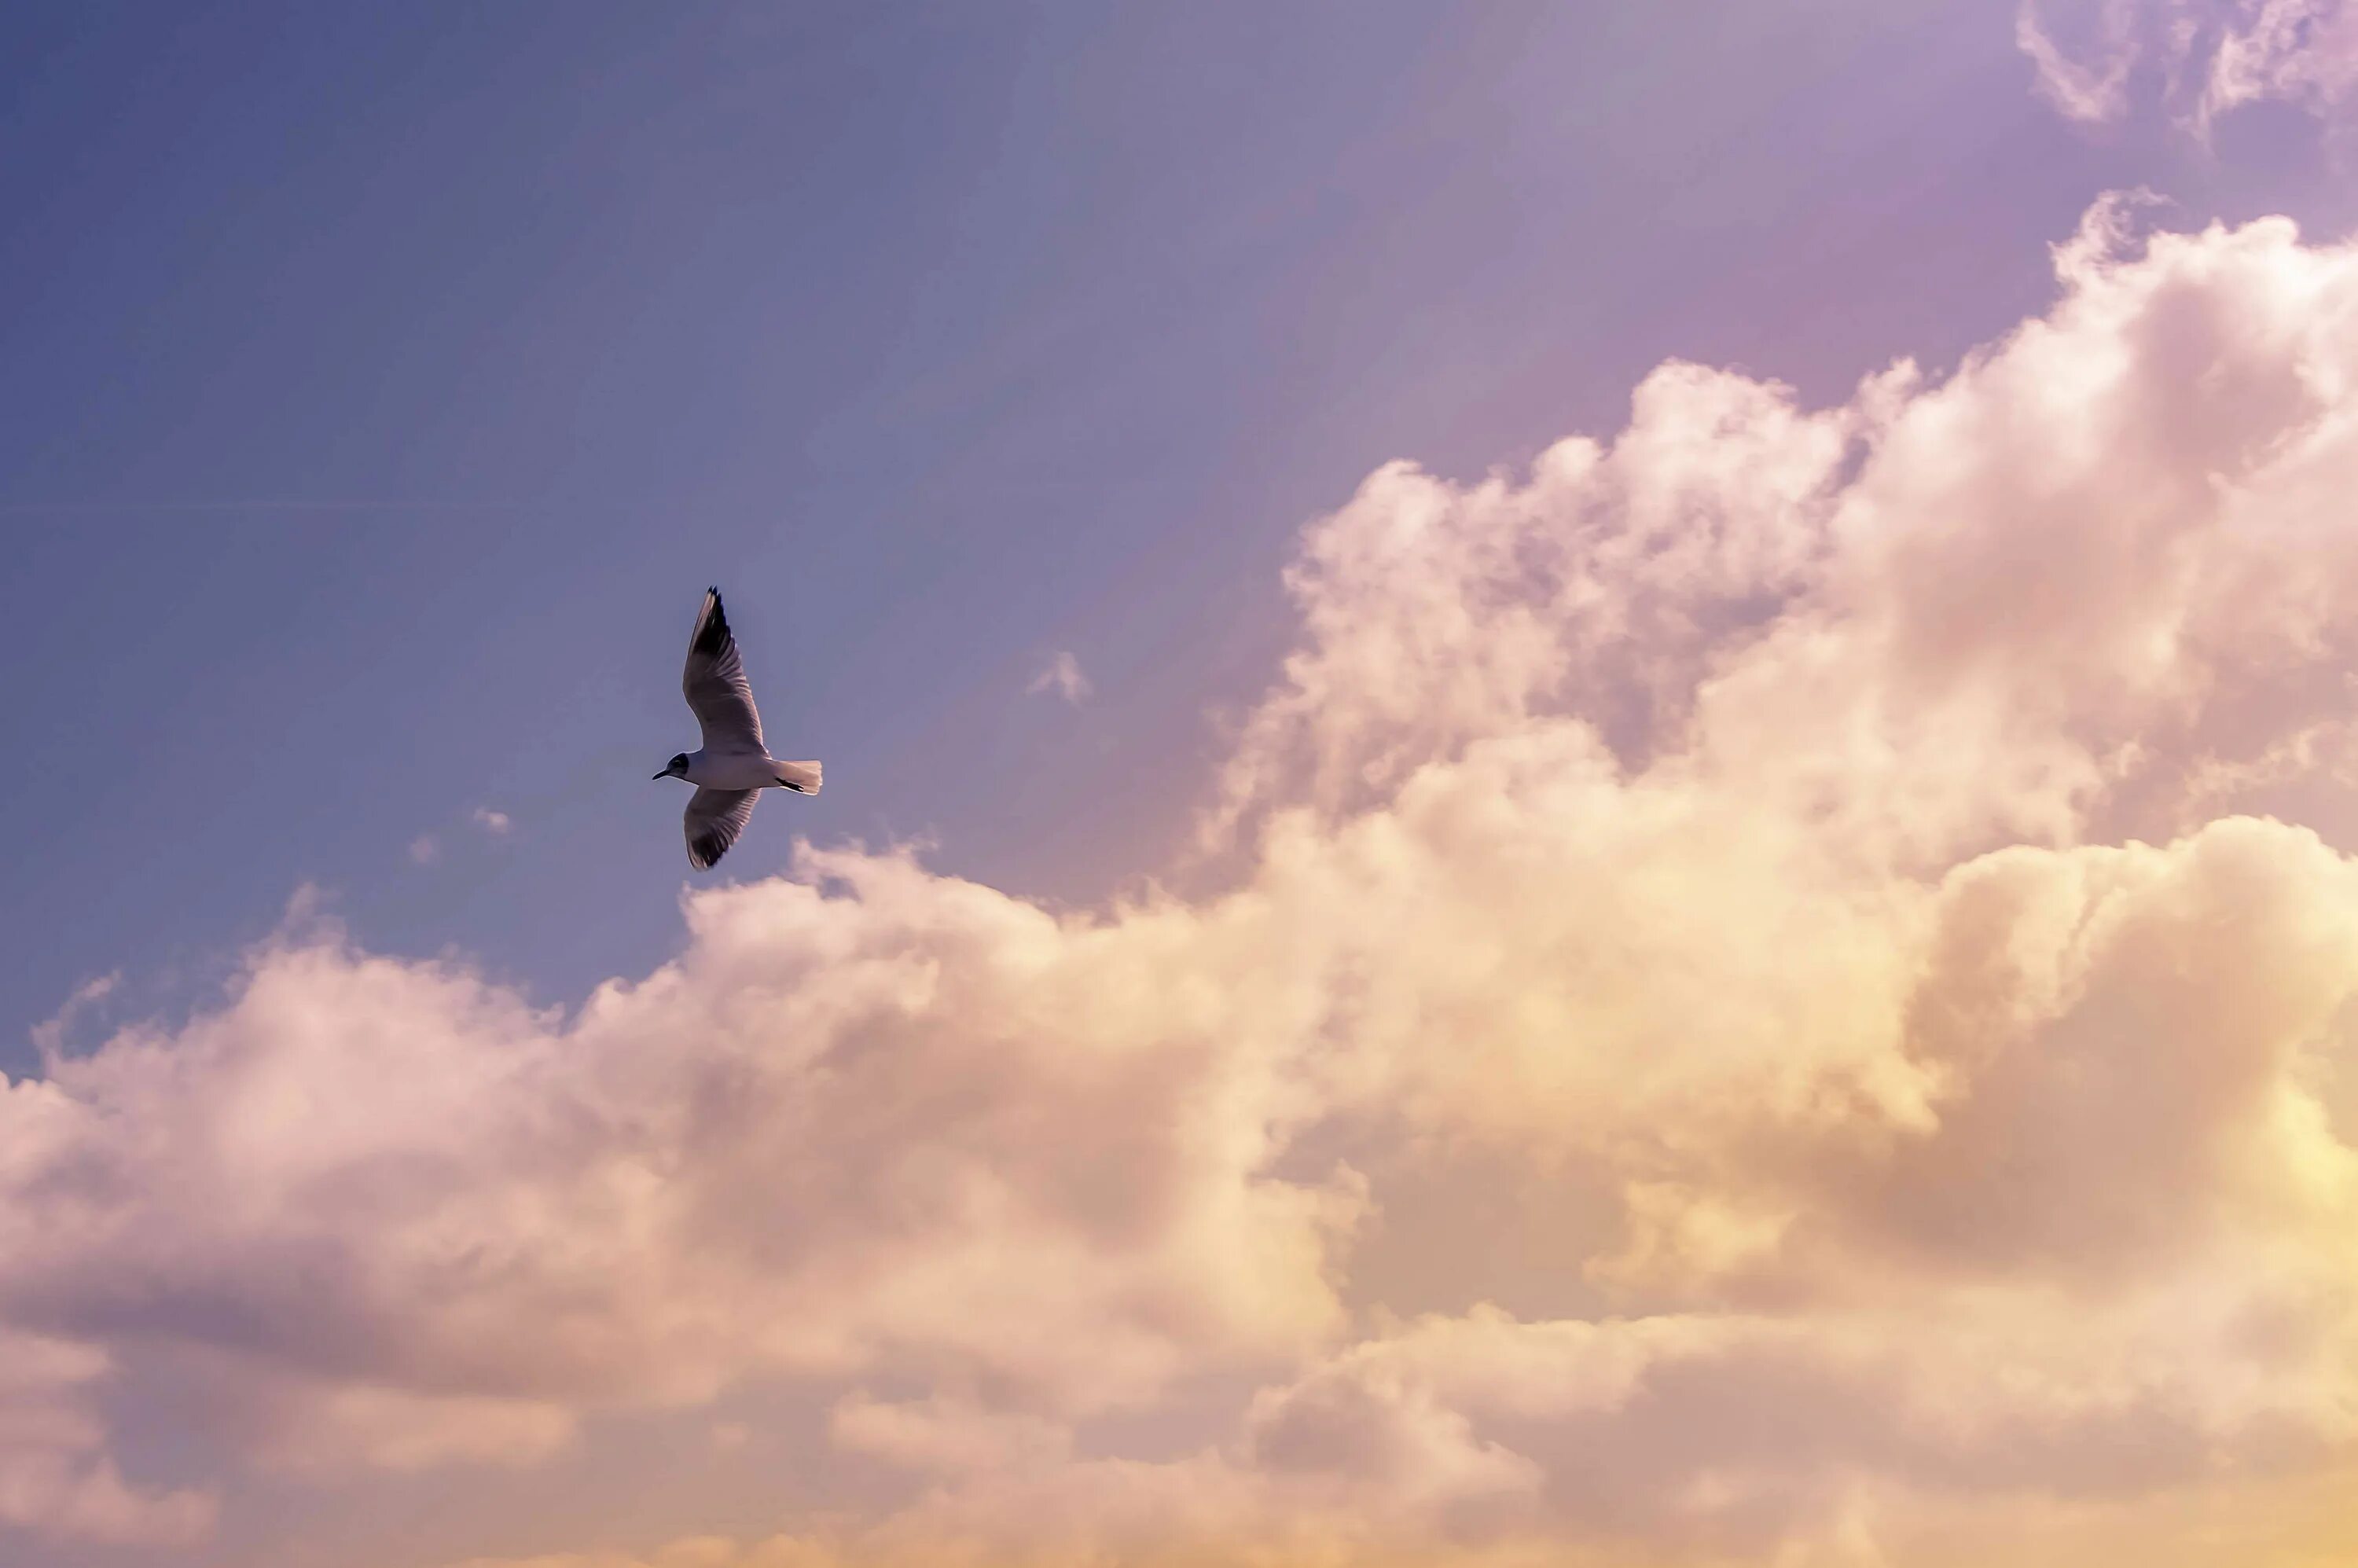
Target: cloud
[[943, 1435], [1783, 993], [2207, 58], [492, 822], [424, 850], [55, 1476], [2092, 91], [2301, 51], [696, 1551], [1062, 676], [49, 1038]]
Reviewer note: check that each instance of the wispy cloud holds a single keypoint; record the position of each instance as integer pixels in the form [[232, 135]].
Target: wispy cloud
[[2093, 89], [1061, 675], [2301, 51], [492, 822], [424, 850], [2203, 58], [49, 1036]]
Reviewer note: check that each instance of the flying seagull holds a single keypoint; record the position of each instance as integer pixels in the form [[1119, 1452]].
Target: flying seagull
[[734, 765]]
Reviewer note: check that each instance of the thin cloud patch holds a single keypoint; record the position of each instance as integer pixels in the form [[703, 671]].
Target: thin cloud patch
[[1062, 676]]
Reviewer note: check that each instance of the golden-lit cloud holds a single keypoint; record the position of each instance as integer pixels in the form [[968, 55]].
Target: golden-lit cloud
[[1782, 990]]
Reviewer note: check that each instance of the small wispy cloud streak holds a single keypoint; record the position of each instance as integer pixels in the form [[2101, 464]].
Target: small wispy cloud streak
[[1062, 676]]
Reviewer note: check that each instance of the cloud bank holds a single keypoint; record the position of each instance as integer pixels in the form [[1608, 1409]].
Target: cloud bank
[[1786, 994]]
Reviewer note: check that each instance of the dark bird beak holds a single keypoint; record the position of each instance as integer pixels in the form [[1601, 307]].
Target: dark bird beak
[[664, 775]]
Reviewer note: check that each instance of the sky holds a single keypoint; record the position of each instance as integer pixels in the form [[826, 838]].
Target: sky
[[1589, 786]]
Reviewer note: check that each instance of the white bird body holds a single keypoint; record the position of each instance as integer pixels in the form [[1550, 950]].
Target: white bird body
[[755, 770], [733, 765]]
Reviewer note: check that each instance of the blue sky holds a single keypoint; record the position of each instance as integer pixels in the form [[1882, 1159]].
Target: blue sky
[[382, 385]]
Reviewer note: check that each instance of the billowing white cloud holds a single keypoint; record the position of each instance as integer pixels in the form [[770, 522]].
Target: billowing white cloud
[[1785, 993]]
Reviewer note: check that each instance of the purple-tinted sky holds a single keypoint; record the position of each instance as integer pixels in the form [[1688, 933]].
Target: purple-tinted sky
[[381, 387]]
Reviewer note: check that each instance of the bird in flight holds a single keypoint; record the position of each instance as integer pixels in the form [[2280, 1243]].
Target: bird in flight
[[734, 764]]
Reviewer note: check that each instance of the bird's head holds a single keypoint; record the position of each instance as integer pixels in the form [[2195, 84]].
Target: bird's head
[[675, 769]]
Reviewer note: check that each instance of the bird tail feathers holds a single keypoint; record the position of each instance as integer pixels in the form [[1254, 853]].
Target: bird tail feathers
[[801, 777]]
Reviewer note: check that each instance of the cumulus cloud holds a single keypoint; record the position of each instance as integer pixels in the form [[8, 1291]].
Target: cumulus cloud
[[1061, 675], [2203, 58], [492, 822], [1784, 993]]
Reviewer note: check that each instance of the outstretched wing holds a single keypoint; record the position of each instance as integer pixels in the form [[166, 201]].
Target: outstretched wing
[[715, 685], [715, 817]]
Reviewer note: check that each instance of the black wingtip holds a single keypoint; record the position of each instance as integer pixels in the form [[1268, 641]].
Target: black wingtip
[[712, 629]]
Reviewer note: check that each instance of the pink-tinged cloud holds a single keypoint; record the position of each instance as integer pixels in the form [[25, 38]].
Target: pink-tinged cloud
[[1062, 676], [2089, 83], [1785, 994], [2203, 58], [55, 1477]]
